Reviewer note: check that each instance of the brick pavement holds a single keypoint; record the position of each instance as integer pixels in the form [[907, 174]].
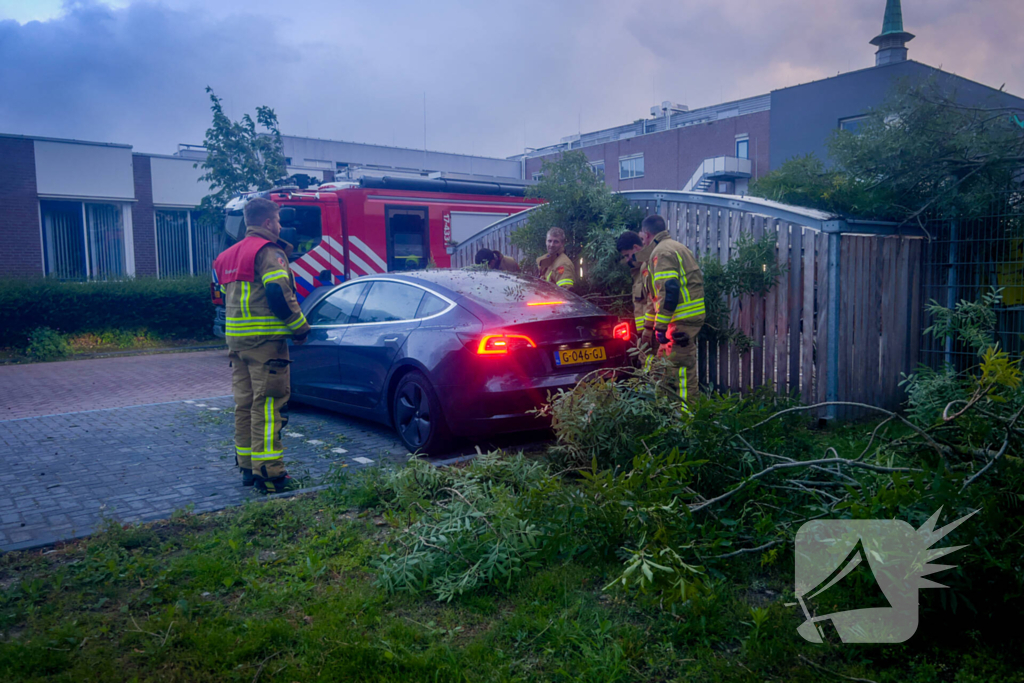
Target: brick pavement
[[68, 386], [64, 474], [135, 438]]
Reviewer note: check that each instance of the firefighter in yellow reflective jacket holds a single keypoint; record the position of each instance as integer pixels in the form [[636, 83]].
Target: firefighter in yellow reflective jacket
[[555, 266], [262, 314], [675, 287], [634, 254]]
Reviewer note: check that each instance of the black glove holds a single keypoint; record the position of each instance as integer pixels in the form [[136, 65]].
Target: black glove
[[682, 339], [662, 336], [300, 338]]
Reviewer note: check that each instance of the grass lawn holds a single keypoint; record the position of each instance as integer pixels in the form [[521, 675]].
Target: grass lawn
[[284, 590]]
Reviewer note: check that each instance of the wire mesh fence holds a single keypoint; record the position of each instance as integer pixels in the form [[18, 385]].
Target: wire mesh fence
[[966, 257]]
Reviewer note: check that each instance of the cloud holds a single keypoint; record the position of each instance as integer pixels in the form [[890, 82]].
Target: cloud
[[135, 75], [497, 76]]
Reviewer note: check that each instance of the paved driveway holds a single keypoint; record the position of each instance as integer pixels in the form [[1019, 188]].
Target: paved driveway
[[51, 388], [136, 438]]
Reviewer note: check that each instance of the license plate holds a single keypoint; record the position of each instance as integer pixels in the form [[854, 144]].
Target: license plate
[[573, 356]]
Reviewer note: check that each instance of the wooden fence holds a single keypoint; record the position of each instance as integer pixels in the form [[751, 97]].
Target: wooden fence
[[861, 274]]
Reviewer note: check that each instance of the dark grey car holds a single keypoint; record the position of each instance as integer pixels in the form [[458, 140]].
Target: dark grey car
[[442, 353]]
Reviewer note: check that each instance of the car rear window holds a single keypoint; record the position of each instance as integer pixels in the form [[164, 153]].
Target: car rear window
[[511, 290], [525, 298]]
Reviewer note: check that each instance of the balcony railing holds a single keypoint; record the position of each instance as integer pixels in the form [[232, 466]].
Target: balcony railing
[[717, 168]]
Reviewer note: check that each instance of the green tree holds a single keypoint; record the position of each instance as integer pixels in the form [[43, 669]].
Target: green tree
[[581, 204], [240, 158], [921, 151]]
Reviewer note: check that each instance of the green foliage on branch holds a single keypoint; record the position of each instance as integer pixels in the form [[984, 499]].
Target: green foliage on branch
[[920, 151], [592, 217], [240, 158], [681, 499], [753, 270]]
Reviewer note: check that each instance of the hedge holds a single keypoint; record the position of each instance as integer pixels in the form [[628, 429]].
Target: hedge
[[176, 308]]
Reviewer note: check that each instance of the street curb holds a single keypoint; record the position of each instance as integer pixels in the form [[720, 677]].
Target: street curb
[[121, 354]]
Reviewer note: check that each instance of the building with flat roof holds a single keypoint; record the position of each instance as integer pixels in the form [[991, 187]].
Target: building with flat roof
[[327, 160], [93, 210], [80, 210], [722, 147]]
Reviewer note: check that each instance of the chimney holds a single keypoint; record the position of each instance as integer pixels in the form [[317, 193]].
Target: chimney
[[892, 41]]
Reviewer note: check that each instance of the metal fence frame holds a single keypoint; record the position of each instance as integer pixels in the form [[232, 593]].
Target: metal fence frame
[[966, 257]]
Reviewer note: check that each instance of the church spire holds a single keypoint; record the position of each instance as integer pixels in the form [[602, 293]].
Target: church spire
[[892, 41]]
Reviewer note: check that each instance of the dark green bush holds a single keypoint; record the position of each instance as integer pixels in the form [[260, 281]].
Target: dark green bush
[[45, 344], [179, 308]]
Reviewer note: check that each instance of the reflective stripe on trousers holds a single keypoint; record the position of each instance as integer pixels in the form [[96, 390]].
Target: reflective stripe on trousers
[[683, 391]]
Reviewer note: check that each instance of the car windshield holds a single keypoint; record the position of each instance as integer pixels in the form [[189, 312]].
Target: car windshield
[[234, 225]]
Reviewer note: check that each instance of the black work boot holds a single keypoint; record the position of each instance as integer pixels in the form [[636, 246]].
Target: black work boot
[[276, 485], [247, 478]]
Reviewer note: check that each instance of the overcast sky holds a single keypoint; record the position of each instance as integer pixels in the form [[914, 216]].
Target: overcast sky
[[498, 75]]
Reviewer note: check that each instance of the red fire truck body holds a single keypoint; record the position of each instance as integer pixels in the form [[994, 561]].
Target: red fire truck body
[[345, 230]]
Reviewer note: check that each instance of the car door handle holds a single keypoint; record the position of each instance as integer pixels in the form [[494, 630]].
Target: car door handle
[[391, 341]]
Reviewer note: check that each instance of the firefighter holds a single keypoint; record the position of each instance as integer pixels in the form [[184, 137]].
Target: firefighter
[[675, 287], [555, 266], [634, 254], [495, 260], [262, 314]]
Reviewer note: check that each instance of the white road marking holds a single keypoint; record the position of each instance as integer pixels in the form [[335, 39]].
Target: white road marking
[[363, 461]]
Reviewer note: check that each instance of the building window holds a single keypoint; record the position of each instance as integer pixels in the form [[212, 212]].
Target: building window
[[85, 240], [318, 163], [185, 243], [537, 176], [631, 167], [743, 148], [853, 124], [598, 168]]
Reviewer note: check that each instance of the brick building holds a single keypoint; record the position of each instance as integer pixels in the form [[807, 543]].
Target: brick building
[[722, 147], [92, 210]]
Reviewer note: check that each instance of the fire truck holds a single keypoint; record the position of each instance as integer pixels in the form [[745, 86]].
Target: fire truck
[[343, 230]]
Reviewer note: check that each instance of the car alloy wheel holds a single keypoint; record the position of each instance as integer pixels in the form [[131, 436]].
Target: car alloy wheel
[[418, 416], [412, 415]]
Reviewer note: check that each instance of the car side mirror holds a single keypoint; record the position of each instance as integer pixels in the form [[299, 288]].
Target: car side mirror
[[287, 216]]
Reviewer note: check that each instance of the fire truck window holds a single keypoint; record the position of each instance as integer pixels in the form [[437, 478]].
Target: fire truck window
[[305, 233], [408, 239]]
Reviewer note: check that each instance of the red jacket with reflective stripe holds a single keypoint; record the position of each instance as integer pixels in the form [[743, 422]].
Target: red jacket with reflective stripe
[[238, 262]]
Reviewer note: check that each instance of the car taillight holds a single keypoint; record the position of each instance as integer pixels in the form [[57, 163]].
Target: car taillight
[[621, 331], [215, 294], [501, 344], [544, 303]]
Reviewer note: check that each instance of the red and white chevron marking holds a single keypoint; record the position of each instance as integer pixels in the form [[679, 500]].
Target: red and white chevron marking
[[364, 260], [329, 255]]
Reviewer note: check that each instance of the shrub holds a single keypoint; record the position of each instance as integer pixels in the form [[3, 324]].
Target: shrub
[[46, 345], [177, 308]]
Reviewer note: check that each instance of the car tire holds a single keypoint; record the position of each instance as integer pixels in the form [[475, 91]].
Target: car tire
[[418, 417]]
